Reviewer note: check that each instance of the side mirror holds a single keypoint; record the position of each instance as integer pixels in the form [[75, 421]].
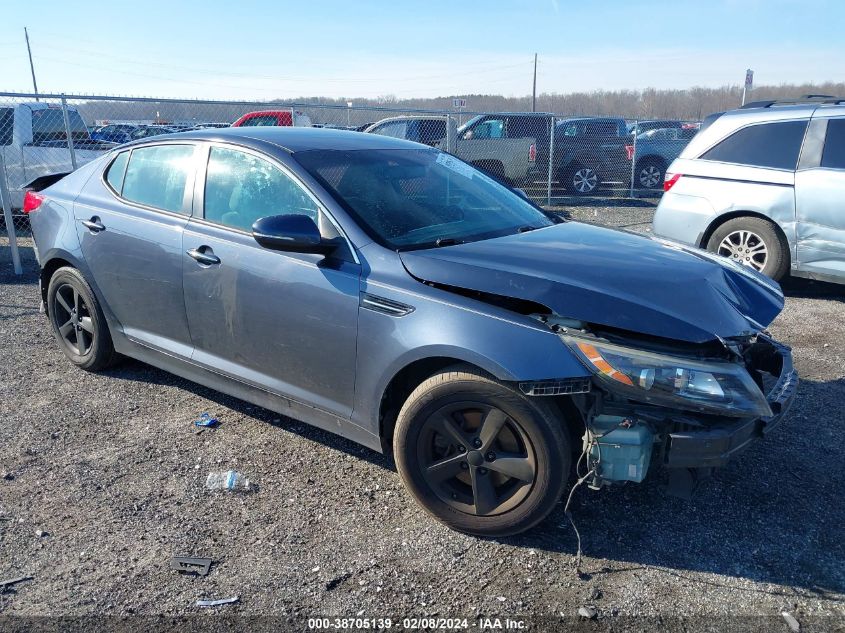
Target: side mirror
[[291, 233]]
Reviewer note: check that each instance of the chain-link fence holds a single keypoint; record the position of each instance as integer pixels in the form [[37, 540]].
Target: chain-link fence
[[552, 157]]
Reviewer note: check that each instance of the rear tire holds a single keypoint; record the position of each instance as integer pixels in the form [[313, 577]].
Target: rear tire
[[753, 242], [78, 322], [580, 180], [650, 173], [479, 456]]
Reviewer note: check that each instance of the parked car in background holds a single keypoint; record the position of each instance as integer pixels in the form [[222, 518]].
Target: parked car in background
[[115, 132], [655, 150], [283, 118], [144, 131], [393, 294], [511, 146], [765, 187], [589, 151], [428, 130], [638, 127], [33, 140]]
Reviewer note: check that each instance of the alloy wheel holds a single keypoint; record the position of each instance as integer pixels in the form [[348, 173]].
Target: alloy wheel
[[745, 247], [73, 320], [476, 458], [585, 180], [650, 176]]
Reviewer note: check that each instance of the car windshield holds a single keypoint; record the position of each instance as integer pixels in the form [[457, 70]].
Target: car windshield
[[409, 199]]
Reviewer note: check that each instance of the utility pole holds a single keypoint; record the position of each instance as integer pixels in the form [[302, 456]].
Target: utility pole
[[31, 65], [533, 92]]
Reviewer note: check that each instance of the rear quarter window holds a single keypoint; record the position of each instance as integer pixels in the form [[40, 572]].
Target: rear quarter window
[[116, 171], [771, 145], [6, 119]]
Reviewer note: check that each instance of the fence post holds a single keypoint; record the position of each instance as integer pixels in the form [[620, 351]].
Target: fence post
[[634, 155], [6, 201], [449, 139], [551, 162], [68, 133]]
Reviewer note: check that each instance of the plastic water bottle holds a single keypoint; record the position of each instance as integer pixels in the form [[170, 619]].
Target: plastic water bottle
[[229, 480]]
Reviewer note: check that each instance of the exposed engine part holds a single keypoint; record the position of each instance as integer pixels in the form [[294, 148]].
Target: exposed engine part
[[617, 449]]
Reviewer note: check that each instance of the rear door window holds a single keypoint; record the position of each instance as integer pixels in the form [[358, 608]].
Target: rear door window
[[261, 121], [395, 129], [156, 176], [833, 155], [772, 145]]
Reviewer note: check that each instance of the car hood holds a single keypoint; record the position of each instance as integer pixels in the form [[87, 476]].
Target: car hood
[[612, 278]]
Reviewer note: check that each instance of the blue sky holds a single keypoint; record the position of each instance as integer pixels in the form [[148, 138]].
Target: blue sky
[[258, 49]]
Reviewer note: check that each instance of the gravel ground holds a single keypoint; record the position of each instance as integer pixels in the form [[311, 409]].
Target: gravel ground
[[103, 481]]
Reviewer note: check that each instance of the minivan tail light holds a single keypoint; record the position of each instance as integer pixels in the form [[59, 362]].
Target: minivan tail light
[[32, 200], [670, 181], [532, 153], [629, 152]]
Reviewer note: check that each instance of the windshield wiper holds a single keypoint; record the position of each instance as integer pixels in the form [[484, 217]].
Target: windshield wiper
[[447, 241]]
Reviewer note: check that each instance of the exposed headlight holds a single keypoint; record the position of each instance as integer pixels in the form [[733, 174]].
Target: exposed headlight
[[721, 388]]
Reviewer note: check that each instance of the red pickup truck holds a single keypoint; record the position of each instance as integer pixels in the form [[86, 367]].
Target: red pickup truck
[[284, 118]]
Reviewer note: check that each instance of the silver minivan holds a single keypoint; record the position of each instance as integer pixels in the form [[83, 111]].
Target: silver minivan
[[765, 186]]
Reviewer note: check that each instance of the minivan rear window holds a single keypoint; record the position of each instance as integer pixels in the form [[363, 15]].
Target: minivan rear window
[[773, 145], [833, 155]]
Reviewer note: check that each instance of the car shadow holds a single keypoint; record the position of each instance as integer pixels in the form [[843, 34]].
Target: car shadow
[[801, 288], [770, 516]]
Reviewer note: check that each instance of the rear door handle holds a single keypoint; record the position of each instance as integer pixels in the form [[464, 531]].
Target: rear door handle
[[94, 225], [204, 255]]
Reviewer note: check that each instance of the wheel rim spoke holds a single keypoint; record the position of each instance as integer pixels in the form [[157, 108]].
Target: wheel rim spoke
[[514, 466], [76, 300], [66, 328], [483, 493], [445, 468], [80, 343], [62, 301], [446, 425], [490, 427]]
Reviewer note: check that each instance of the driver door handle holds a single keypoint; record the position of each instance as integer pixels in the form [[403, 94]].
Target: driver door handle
[[94, 225], [207, 258]]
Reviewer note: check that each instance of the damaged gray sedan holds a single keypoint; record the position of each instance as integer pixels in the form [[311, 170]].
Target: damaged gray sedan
[[392, 294]]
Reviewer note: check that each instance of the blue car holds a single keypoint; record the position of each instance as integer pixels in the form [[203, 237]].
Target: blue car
[[393, 294]]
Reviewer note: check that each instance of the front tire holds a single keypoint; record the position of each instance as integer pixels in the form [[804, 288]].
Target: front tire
[[78, 322], [479, 456], [752, 242]]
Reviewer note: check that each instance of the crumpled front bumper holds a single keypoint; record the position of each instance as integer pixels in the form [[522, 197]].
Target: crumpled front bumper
[[714, 445]]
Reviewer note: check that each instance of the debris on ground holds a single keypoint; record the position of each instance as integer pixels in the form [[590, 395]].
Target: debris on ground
[[41, 533], [13, 581], [229, 480], [207, 422], [588, 612], [215, 603], [791, 622], [191, 565]]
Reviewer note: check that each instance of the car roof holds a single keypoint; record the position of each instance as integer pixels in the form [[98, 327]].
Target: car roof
[[290, 139]]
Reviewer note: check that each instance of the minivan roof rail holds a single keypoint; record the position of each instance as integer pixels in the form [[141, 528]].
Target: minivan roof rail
[[802, 100]]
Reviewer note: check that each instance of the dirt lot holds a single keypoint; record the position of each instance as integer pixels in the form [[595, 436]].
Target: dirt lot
[[103, 481]]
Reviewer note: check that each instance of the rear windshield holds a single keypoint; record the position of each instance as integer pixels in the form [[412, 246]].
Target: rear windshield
[[48, 124], [408, 199]]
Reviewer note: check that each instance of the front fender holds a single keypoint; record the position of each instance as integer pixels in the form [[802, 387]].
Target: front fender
[[507, 345]]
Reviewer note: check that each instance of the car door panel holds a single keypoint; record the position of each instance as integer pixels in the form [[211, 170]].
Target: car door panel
[[820, 199], [266, 317], [273, 319], [134, 255]]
